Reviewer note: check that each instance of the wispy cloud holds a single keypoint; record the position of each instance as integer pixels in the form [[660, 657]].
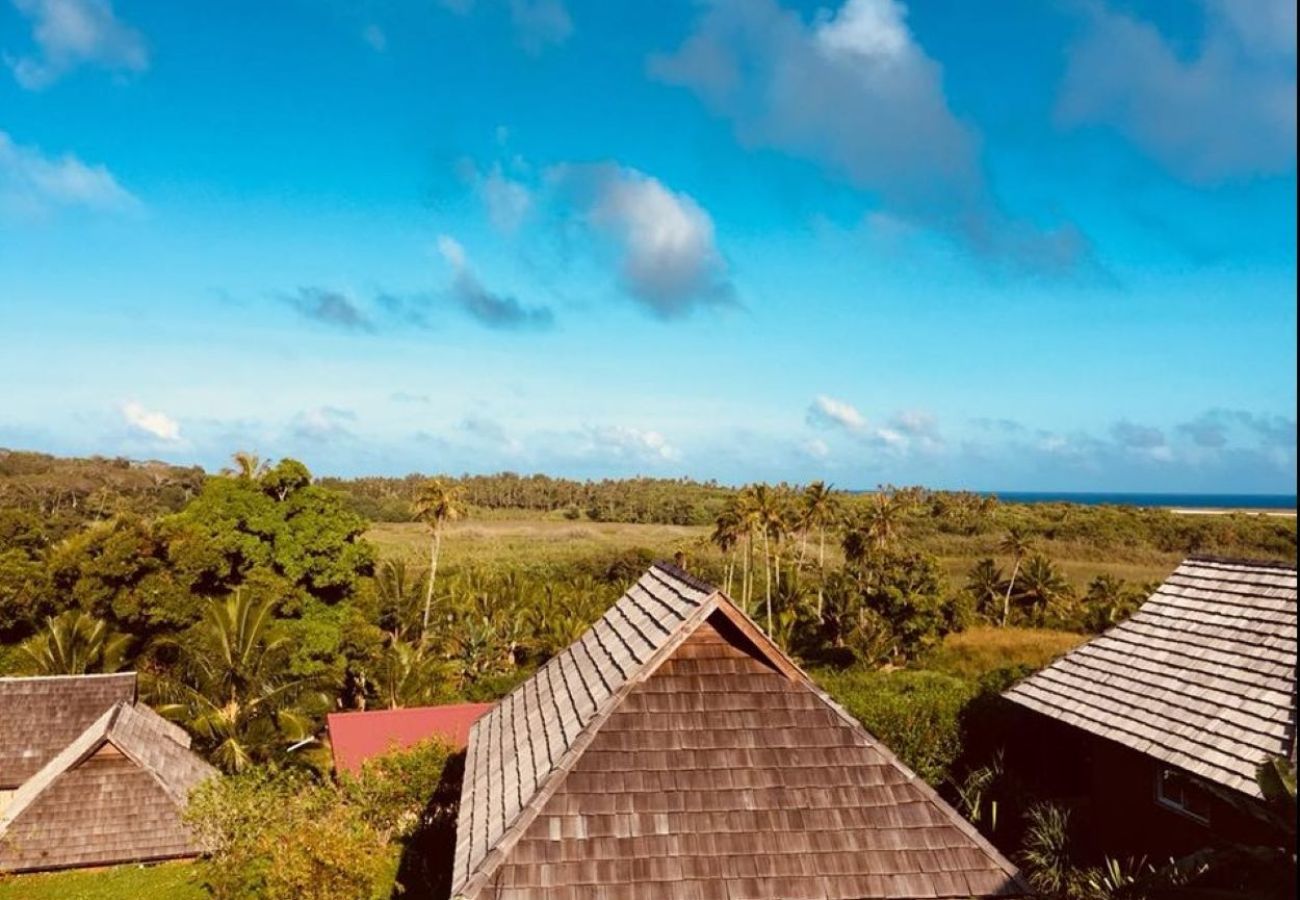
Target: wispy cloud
[[375, 38], [537, 24], [34, 185], [493, 310], [329, 307], [323, 423], [1227, 109], [827, 412], [669, 259], [856, 93], [155, 424], [71, 33]]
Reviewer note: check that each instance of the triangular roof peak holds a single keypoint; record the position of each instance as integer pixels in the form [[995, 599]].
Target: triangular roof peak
[[526, 756]]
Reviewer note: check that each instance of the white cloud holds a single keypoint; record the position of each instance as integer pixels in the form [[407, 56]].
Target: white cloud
[[623, 443], [670, 261], [34, 185], [323, 423], [69, 33], [871, 29], [1226, 110], [827, 412], [816, 448], [853, 91], [508, 201], [155, 424]]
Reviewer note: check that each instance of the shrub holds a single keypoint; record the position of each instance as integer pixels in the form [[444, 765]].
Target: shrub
[[916, 714], [287, 834]]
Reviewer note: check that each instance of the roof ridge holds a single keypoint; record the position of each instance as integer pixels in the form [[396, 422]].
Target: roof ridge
[[675, 571], [1240, 561], [84, 675]]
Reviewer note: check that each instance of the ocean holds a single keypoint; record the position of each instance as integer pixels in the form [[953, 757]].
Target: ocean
[[1184, 501]]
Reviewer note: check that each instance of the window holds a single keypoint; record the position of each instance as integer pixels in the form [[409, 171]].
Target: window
[[1180, 792]]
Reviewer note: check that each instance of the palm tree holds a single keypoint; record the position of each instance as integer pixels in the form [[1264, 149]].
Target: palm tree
[[984, 584], [74, 643], [248, 466], [820, 508], [745, 509], [1017, 544], [435, 505], [726, 535], [768, 518], [406, 675], [236, 691], [884, 519], [400, 589], [1042, 585]]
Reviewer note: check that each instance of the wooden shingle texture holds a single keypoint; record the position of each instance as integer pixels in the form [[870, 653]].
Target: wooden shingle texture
[[674, 752], [41, 716], [1202, 677], [115, 794]]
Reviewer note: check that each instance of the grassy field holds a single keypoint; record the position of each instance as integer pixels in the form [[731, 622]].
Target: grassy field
[[975, 651], [537, 541], [174, 881]]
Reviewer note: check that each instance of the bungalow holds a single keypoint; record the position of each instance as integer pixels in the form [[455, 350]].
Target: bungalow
[[1162, 721], [357, 736], [674, 751], [90, 777]]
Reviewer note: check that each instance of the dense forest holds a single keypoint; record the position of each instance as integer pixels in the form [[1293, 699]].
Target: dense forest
[[253, 601]]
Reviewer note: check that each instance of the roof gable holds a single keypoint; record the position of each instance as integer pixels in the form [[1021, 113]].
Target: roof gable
[[40, 716], [149, 741], [757, 760], [1202, 676]]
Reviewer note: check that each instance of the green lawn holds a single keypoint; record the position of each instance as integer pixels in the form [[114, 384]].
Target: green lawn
[[173, 880]]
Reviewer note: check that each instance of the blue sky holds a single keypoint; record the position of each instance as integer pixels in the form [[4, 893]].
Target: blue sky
[[1022, 245]]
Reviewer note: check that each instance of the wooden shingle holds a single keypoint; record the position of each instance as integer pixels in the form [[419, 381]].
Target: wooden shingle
[[114, 794], [691, 759], [1201, 677]]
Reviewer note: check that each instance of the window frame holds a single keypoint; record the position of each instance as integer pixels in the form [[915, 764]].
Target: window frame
[[1179, 805]]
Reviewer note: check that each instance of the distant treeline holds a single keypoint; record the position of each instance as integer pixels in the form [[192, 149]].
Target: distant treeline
[[68, 492], [648, 500]]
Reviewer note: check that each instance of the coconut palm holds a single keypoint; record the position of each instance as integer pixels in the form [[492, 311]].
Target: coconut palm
[[249, 466], [407, 675], [74, 643], [235, 690], [984, 584], [819, 511], [726, 536], [401, 589], [1016, 544], [435, 505], [746, 511], [883, 521], [769, 522], [1042, 585]]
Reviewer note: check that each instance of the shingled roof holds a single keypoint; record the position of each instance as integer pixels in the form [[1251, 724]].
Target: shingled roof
[[40, 716], [673, 751], [1202, 677], [114, 794]]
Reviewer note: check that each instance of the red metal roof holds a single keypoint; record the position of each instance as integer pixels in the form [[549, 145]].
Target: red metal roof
[[358, 736]]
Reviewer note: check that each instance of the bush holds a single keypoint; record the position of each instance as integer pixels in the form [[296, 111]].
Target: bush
[[915, 714], [286, 834]]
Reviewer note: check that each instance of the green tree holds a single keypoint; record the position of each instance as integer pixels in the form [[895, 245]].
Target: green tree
[[819, 511], [235, 690], [1016, 544], [1042, 585], [435, 506], [984, 583], [74, 643]]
